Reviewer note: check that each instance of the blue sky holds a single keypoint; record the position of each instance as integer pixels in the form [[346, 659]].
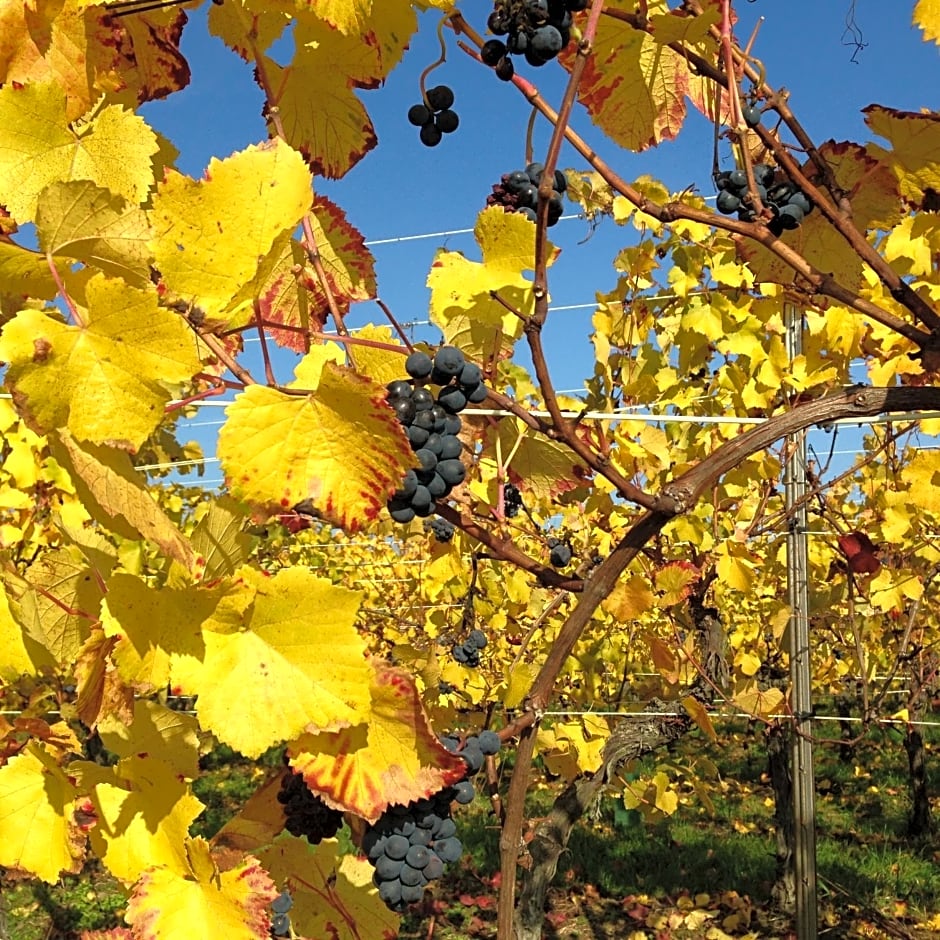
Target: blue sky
[[403, 189]]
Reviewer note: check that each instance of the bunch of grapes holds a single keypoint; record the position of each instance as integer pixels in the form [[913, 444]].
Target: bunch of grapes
[[432, 425], [535, 29], [441, 529], [519, 192], [559, 553], [280, 923], [305, 813], [789, 204], [435, 115], [410, 845], [468, 652], [512, 500]]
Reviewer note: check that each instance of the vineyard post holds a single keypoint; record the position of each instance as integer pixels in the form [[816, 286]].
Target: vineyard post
[[804, 790]]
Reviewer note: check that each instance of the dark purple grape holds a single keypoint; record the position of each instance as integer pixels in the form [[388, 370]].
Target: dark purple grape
[[505, 69], [489, 742], [440, 97], [418, 365], [449, 361], [727, 203], [420, 115], [430, 135], [546, 42], [447, 121], [751, 115], [417, 436], [492, 51]]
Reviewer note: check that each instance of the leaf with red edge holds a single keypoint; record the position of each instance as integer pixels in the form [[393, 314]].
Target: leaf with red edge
[[633, 87], [873, 192], [546, 467], [394, 758], [915, 148], [349, 270], [340, 447], [206, 902]]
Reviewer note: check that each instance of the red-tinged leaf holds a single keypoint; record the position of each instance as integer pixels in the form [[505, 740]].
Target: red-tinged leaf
[[205, 902], [915, 148], [394, 758], [547, 468], [676, 580], [633, 87], [349, 270], [101, 690], [340, 447]]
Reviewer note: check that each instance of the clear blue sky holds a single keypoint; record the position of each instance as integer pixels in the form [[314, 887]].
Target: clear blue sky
[[403, 189]]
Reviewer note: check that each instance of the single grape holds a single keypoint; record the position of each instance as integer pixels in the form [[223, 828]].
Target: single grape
[[412, 877], [447, 829], [477, 639], [447, 121], [423, 399], [790, 216], [737, 179], [470, 374], [440, 97], [498, 24], [492, 51], [764, 174], [751, 115], [534, 172], [280, 925], [437, 487], [434, 868], [560, 182], [453, 472], [409, 484], [388, 868], [430, 135], [411, 894], [449, 850], [418, 857], [399, 389], [452, 399], [472, 755], [464, 792], [727, 203], [528, 213], [427, 459], [391, 892], [418, 365], [802, 201], [417, 435], [421, 501], [489, 742], [404, 410], [396, 847], [451, 448], [560, 555], [282, 903], [459, 652], [402, 514], [546, 42], [452, 424], [419, 115], [449, 361], [505, 69]]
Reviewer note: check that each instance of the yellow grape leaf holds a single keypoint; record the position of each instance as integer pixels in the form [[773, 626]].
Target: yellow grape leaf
[[332, 891], [664, 659], [114, 149], [518, 682], [114, 493], [158, 626], [915, 147], [629, 599], [245, 27], [202, 901], [873, 192], [57, 601], [927, 18], [674, 581], [394, 757], [922, 476], [158, 732], [212, 234], [735, 569], [666, 799], [144, 813], [341, 447], [762, 703], [699, 714], [461, 301], [220, 539], [381, 365], [101, 691], [15, 659], [38, 833], [296, 662], [673, 27], [545, 468], [633, 87], [108, 379], [338, 133], [259, 821], [87, 223], [748, 664], [25, 273], [134, 59]]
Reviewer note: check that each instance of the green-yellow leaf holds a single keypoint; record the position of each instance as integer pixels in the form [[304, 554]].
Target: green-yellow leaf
[[220, 540], [340, 447], [927, 17], [915, 147], [108, 379], [212, 234], [114, 149], [87, 223], [25, 273]]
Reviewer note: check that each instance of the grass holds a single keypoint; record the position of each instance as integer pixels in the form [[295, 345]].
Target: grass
[[619, 866]]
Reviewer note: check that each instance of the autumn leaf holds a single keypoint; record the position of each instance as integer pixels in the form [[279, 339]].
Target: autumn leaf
[[202, 900], [461, 290], [107, 379], [114, 149], [333, 894], [292, 660], [219, 538], [84, 222], [546, 466], [211, 235], [37, 833], [927, 17], [629, 598], [340, 447], [394, 757], [915, 144], [25, 273]]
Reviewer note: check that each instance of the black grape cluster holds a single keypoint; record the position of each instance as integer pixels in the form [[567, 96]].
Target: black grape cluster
[[306, 814], [432, 425], [512, 500], [441, 529], [789, 204], [280, 923], [559, 553], [519, 192], [435, 116], [468, 652], [410, 845], [535, 29]]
